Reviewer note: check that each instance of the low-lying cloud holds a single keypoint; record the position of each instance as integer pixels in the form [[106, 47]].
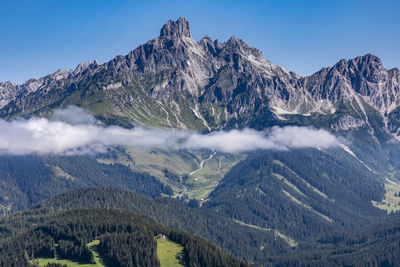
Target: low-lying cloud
[[72, 131], [275, 138]]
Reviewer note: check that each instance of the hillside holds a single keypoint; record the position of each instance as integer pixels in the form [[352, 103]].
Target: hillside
[[376, 243], [26, 180], [175, 82], [238, 239], [124, 239], [295, 193], [373, 246]]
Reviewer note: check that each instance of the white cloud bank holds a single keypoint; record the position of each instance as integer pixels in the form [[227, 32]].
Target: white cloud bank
[[73, 131], [275, 138]]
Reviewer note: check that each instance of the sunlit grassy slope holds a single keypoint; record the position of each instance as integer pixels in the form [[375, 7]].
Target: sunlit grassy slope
[[168, 252], [391, 202], [196, 173], [92, 246]]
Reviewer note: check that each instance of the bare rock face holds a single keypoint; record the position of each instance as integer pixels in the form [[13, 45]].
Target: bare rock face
[[37, 91], [177, 29], [363, 76], [218, 82], [7, 92], [347, 122]]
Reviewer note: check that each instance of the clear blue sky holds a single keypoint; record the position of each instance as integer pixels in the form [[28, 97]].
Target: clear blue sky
[[37, 37]]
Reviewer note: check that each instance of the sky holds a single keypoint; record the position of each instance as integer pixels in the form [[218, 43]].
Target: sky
[[39, 37]]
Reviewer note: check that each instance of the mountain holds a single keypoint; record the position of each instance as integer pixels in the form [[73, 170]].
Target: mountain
[[301, 193], [173, 81], [265, 206]]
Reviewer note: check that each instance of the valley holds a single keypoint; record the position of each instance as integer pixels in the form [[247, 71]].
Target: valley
[[190, 173]]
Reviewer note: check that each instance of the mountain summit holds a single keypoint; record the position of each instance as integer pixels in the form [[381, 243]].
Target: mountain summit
[[174, 81], [179, 28]]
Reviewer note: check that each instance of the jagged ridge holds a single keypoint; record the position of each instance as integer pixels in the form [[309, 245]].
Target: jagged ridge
[[173, 81]]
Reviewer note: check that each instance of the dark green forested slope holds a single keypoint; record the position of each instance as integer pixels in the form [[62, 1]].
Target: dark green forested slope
[[241, 241], [25, 180], [126, 239], [302, 193], [377, 245]]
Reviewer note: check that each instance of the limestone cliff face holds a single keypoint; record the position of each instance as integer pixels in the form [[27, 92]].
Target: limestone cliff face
[[217, 84]]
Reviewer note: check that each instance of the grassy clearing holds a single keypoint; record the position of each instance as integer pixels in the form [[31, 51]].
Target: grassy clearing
[[154, 160], [92, 246], [391, 202], [184, 163], [201, 193], [306, 206], [291, 242], [204, 181], [168, 252], [69, 263], [61, 173], [286, 181], [304, 181]]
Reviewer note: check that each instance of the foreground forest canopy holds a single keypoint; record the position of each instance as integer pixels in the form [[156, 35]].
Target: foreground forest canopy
[[65, 224], [125, 239]]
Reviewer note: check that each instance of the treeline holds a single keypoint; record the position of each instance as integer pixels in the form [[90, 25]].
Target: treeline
[[199, 252], [125, 249], [75, 250], [52, 264], [126, 239]]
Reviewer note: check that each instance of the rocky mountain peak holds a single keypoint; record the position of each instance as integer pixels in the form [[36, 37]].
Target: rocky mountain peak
[[82, 67], [209, 45], [7, 83], [173, 29], [367, 65], [222, 83], [236, 43], [368, 60]]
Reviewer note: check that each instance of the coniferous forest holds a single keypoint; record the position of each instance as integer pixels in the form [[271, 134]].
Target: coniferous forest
[[125, 239], [127, 229]]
